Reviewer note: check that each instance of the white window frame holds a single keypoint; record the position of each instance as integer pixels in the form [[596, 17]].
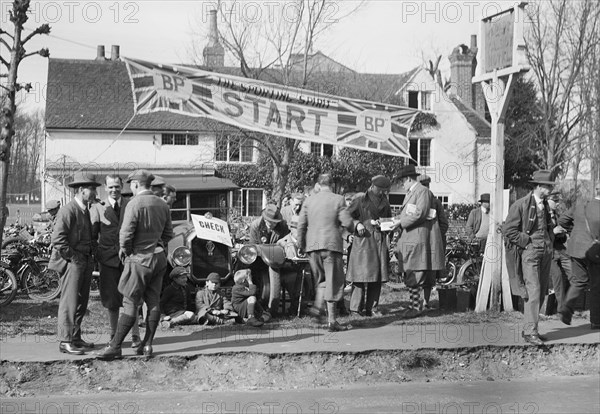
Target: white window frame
[[419, 141], [187, 139], [243, 209], [321, 152], [228, 151]]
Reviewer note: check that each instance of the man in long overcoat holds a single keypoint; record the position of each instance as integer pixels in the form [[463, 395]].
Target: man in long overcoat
[[529, 232], [72, 257], [420, 248], [368, 263]]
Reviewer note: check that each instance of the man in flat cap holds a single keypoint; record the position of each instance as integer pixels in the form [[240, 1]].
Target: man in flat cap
[[478, 223], [418, 251], [52, 207], [72, 257], [158, 186], [368, 263], [169, 195], [529, 232], [145, 232], [269, 229]]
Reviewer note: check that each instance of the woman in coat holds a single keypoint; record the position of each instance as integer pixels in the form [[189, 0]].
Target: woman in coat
[[368, 264]]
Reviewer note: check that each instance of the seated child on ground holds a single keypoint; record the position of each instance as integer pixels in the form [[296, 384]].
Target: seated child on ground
[[213, 308], [176, 301], [243, 299]]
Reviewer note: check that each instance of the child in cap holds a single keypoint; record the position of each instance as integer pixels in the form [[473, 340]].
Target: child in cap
[[176, 301], [212, 306], [243, 299]]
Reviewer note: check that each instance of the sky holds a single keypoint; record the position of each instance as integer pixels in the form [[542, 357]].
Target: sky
[[381, 36]]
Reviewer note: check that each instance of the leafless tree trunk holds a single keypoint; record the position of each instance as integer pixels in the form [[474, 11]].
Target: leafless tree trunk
[[559, 43], [12, 47]]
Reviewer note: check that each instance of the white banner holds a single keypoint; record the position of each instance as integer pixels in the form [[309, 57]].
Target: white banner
[[212, 229], [270, 108]]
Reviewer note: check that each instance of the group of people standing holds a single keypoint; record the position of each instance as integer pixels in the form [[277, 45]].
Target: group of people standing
[[129, 240], [535, 238], [420, 248]]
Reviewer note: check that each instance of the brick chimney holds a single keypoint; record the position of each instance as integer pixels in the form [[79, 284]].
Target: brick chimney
[[115, 53], [100, 53], [463, 62], [213, 53]]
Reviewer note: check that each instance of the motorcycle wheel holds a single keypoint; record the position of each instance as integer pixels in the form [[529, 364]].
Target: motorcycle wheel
[[448, 274], [7, 243], [41, 283], [470, 274], [8, 286]]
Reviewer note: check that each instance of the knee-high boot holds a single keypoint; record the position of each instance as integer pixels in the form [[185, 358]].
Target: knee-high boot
[[123, 327], [151, 325]]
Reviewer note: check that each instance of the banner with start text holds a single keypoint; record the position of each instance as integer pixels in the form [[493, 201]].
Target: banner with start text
[[270, 108]]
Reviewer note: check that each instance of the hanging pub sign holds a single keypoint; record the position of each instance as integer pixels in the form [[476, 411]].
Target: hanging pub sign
[[270, 108]]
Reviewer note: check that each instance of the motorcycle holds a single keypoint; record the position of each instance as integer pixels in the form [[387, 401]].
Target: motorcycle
[[463, 263], [28, 262], [16, 233]]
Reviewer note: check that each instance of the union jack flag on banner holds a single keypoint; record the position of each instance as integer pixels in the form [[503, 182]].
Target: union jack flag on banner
[[270, 108]]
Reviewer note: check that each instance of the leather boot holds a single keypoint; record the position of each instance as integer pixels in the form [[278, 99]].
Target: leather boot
[[152, 322], [113, 349]]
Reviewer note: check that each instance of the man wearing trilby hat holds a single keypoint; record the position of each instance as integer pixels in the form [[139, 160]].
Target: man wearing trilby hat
[[420, 247], [529, 232], [72, 257], [478, 223]]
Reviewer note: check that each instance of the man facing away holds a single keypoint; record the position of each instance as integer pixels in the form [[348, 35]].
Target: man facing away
[[319, 235], [529, 230], [72, 257], [145, 232], [106, 223]]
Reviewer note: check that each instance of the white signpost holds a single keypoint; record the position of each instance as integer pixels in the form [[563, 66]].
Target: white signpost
[[500, 58]]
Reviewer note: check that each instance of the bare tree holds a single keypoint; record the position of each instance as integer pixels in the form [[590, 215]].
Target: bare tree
[[278, 49], [26, 151], [560, 40], [11, 56]]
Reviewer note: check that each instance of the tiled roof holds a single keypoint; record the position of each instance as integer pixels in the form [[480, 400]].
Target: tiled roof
[[482, 127], [92, 94]]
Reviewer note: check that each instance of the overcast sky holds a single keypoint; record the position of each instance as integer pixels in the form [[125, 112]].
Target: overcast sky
[[383, 36]]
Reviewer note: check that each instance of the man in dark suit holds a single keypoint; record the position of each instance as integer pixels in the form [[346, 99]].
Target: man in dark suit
[[72, 257], [106, 223], [529, 230], [478, 223], [419, 248], [145, 232], [269, 229], [560, 268], [585, 218], [319, 235]]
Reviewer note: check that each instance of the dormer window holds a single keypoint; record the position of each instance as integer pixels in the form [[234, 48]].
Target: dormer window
[[419, 100]]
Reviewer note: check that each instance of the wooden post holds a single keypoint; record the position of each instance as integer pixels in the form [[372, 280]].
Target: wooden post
[[500, 58]]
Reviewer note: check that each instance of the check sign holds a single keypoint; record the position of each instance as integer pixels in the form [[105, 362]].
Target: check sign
[[212, 229]]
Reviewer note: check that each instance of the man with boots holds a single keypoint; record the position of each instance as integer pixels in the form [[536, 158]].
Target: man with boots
[[143, 239], [106, 223], [319, 235]]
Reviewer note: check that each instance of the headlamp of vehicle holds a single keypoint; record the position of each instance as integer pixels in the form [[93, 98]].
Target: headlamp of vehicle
[[182, 256], [248, 254]]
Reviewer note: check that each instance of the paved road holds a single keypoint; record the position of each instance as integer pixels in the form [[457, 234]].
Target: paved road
[[551, 395], [241, 338]]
